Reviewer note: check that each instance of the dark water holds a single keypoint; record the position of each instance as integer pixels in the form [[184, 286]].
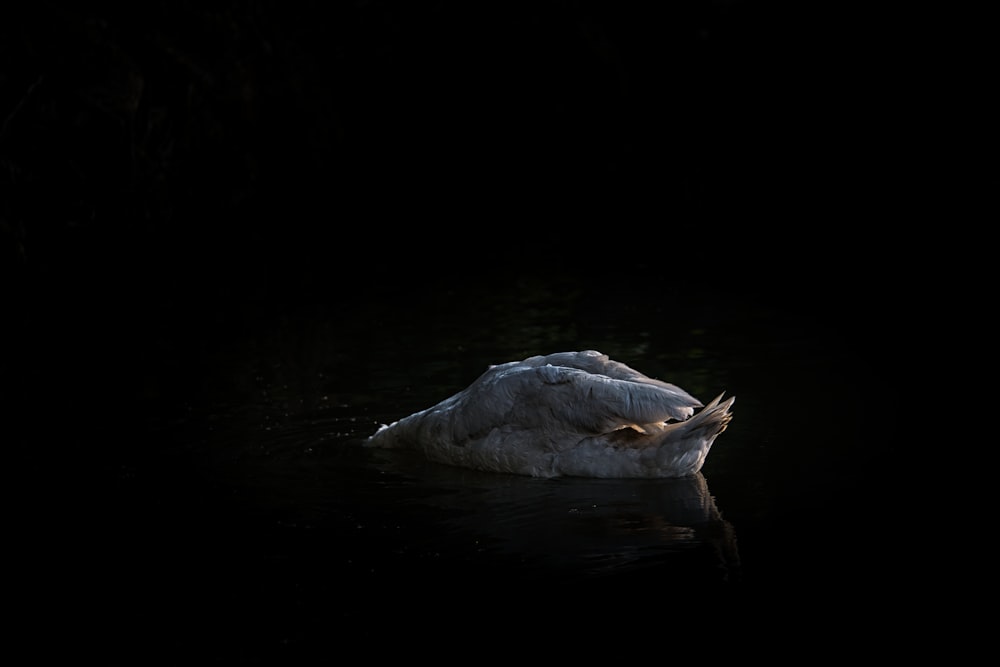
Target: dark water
[[238, 241], [239, 518]]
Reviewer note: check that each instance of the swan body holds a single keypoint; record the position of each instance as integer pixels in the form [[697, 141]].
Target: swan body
[[565, 414]]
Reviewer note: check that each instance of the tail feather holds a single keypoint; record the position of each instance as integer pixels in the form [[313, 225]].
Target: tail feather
[[683, 446], [712, 419], [717, 413]]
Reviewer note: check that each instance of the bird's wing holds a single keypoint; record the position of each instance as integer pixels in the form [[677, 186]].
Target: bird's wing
[[597, 363], [563, 397]]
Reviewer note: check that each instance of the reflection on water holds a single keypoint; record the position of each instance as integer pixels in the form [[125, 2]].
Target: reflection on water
[[576, 526], [255, 487], [310, 474]]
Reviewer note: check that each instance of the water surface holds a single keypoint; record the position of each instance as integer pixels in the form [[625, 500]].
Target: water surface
[[253, 500]]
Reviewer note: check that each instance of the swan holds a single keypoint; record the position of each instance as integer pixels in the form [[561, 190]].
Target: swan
[[577, 414]]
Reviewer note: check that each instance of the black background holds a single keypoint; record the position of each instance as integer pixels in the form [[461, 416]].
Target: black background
[[165, 168], [164, 163], [229, 148]]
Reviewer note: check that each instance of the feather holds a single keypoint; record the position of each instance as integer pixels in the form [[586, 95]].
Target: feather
[[568, 413]]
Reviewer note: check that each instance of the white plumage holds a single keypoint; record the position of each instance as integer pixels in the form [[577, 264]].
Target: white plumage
[[569, 413]]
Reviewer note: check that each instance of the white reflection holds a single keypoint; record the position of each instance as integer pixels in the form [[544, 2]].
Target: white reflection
[[575, 525]]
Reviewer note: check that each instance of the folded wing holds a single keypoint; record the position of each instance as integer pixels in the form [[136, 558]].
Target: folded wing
[[564, 397]]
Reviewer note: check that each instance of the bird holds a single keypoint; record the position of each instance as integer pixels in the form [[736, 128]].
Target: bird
[[565, 414]]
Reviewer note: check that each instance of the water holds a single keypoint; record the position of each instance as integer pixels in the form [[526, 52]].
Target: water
[[244, 521], [300, 226]]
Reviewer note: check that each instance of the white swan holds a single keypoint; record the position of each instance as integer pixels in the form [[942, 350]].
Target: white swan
[[570, 413]]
